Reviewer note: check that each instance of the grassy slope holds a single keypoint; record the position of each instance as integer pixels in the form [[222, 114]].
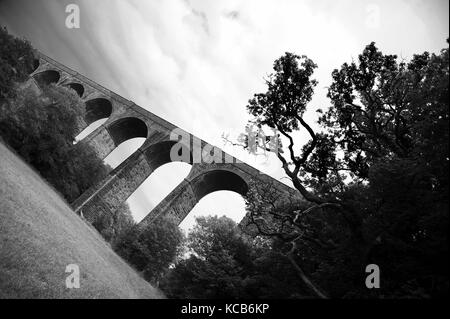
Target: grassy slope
[[40, 236]]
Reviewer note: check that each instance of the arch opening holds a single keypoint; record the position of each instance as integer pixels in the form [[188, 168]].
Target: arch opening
[[166, 176], [159, 154], [127, 128], [89, 129], [47, 77], [97, 109], [123, 151], [77, 87], [156, 187], [220, 203], [126, 135], [219, 180]]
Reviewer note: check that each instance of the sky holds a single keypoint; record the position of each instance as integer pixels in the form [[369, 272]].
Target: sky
[[196, 63]]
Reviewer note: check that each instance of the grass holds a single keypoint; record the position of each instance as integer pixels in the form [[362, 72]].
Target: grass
[[40, 235]]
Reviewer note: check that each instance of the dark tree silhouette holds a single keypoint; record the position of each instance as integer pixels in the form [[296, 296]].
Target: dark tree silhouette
[[379, 164]]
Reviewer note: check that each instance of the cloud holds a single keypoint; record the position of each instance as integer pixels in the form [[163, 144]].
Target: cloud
[[196, 63]]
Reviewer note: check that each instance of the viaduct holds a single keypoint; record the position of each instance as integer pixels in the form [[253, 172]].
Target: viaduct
[[214, 170]]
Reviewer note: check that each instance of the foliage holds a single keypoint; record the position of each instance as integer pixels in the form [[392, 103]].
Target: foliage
[[41, 124], [17, 59], [151, 248], [216, 263], [385, 109], [396, 139], [304, 236], [289, 90], [113, 226], [226, 263], [41, 127], [375, 180]]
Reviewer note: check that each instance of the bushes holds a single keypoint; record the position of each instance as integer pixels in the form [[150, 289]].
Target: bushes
[[17, 59], [152, 248], [115, 225], [42, 128], [226, 263], [41, 125]]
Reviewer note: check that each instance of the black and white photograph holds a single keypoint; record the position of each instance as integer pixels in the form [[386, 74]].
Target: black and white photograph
[[224, 155]]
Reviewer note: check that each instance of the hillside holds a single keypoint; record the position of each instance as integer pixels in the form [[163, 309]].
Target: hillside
[[40, 235]]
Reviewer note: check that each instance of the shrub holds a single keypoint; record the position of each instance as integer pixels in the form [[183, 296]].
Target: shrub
[[152, 248], [17, 58], [41, 127]]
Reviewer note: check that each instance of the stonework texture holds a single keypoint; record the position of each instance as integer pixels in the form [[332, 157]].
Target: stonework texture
[[211, 171]]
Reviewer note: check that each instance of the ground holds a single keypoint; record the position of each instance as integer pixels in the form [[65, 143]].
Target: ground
[[40, 235]]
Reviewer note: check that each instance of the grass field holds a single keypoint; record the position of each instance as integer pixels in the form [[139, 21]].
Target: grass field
[[40, 235]]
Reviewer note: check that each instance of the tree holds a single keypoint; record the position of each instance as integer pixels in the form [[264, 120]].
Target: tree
[[17, 61], [380, 106], [215, 264], [41, 127], [289, 90], [224, 262], [289, 224], [113, 226], [386, 117], [390, 120], [151, 248]]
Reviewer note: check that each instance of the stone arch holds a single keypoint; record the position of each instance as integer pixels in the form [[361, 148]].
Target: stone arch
[[155, 188], [97, 109], [164, 175], [77, 87], [126, 178], [158, 153], [47, 77], [180, 202], [218, 180], [127, 135], [127, 128], [222, 202]]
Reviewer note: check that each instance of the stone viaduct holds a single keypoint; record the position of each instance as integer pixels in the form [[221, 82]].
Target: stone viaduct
[[214, 170]]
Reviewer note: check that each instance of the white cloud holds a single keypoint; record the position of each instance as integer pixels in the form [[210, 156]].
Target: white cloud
[[197, 62]]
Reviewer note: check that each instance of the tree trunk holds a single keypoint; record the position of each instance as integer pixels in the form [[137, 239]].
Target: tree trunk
[[305, 278]]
